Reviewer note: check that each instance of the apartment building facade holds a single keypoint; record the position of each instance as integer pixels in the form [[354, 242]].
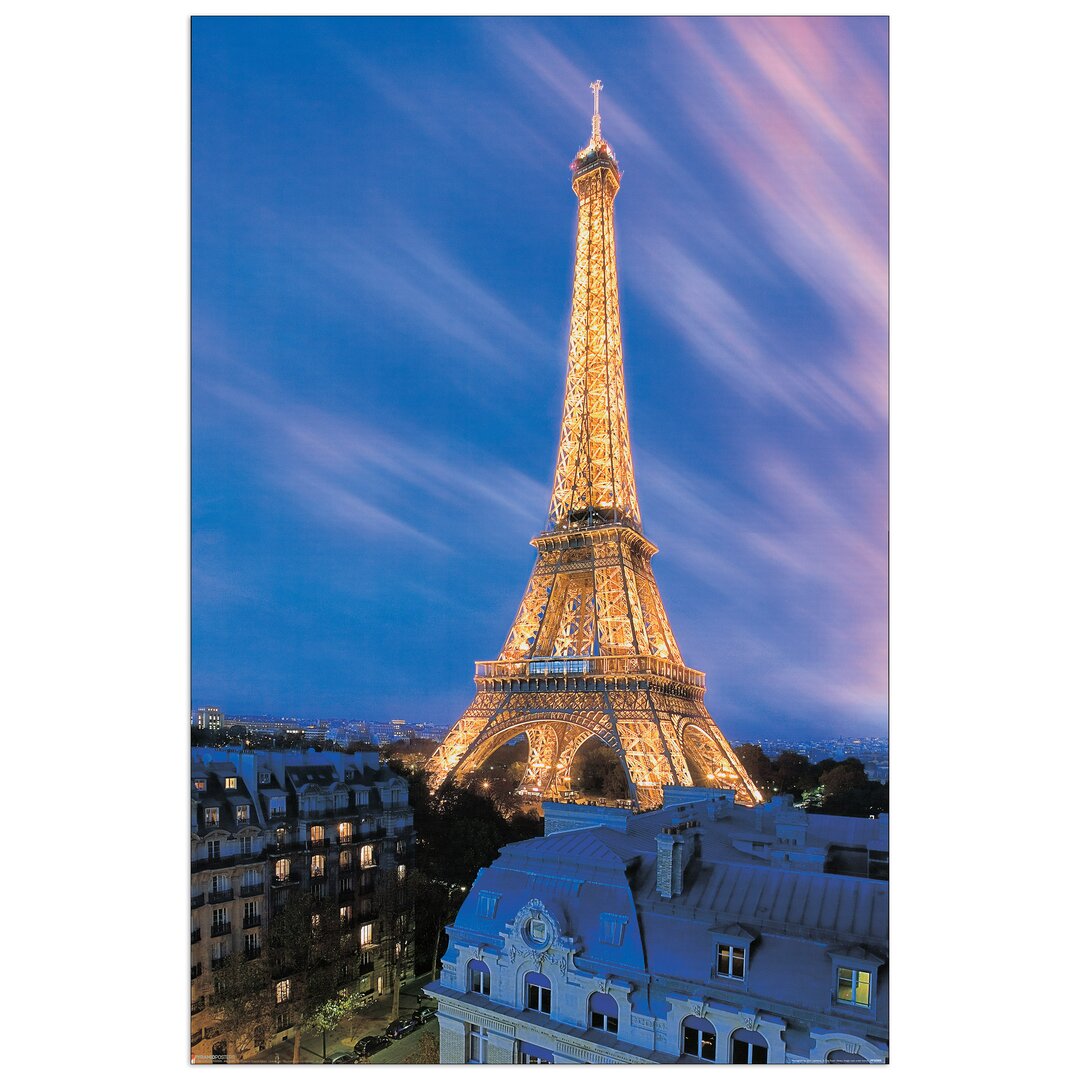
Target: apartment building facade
[[265, 824]]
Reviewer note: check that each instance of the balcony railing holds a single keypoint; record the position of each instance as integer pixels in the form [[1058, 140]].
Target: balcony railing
[[628, 666], [251, 921], [218, 962], [198, 1005], [253, 954], [220, 929], [198, 900], [253, 890], [195, 936], [222, 896]]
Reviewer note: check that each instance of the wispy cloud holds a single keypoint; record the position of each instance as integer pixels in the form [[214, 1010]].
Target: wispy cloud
[[349, 472]]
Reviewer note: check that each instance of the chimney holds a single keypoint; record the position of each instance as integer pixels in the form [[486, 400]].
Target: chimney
[[676, 849], [669, 862]]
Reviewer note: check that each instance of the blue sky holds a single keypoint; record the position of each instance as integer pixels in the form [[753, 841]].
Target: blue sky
[[382, 245]]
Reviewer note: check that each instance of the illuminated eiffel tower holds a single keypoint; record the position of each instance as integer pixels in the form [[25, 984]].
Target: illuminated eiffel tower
[[591, 652]]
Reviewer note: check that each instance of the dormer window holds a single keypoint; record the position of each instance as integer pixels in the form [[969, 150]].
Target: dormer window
[[486, 903], [277, 807], [855, 975], [211, 816], [853, 986], [538, 930], [243, 814], [264, 778], [611, 929], [199, 785], [230, 783], [731, 961]]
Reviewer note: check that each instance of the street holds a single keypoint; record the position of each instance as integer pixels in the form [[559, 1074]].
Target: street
[[371, 1021]]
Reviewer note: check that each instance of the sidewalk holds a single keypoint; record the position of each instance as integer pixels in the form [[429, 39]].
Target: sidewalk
[[342, 1039]]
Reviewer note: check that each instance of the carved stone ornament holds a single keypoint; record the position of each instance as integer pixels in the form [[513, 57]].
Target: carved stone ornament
[[700, 1009], [749, 1021]]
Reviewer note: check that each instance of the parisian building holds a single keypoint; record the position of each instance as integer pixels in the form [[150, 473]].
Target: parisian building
[[208, 718], [264, 823], [703, 931]]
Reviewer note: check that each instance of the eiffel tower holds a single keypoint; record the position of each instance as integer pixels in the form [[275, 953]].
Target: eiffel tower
[[591, 652]]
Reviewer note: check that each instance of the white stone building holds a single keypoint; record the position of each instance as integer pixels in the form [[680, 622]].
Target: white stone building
[[701, 932]]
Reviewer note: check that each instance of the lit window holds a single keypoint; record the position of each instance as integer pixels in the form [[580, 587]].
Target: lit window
[[401, 872], [316, 921], [749, 1048], [367, 855], [537, 992], [699, 1038], [200, 785], [230, 783], [211, 815], [853, 986], [345, 860], [346, 915], [367, 934], [603, 1013], [281, 870], [282, 991], [318, 865], [730, 961], [479, 977], [317, 834], [344, 832], [243, 813]]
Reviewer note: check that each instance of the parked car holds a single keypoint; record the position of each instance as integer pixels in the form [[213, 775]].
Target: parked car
[[402, 1026], [424, 1014], [342, 1059], [371, 1044]]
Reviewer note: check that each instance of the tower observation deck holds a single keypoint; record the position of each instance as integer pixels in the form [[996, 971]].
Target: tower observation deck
[[591, 652]]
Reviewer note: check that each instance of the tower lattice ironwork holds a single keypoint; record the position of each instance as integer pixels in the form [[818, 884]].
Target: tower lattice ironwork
[[591, 651]]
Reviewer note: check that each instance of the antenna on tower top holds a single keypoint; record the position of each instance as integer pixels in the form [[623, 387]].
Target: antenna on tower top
[[596, 87]]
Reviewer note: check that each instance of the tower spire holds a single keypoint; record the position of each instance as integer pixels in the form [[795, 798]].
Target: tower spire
[[596, 87]]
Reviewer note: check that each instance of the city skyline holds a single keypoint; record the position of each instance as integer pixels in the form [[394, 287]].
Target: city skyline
[[380, 310]]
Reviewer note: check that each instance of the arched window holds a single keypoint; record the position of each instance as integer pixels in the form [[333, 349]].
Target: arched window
[[603, 1013], [479, 977], [699, 1038], [538, 992], [749, 1048], [845, 1057]]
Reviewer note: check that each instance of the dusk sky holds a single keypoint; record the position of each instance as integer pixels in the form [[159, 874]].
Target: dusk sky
[[382, 247]]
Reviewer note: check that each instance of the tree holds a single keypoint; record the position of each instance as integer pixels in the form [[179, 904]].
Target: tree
[[426, 1052], [306, 949], [243, 1004], [758, 764]]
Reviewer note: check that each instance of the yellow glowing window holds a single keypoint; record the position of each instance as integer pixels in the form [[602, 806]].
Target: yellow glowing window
[[853, 986], [318, 834], [367, 855], [282, 991], [230, 783], [344, 832], [318, 865], [281, 870]]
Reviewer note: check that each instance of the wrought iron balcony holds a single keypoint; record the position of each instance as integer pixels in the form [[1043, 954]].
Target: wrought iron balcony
[[198, 1005], [253, 890], [196, 935], [252, 920], [222, 896], [218, 962], [253, 954], [198, 900], [220, 929]]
